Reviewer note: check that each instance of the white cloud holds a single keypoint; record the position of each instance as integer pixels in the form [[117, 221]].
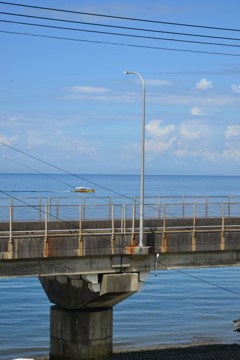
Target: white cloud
[[159, 146], [153, 82], [236, 88], [196, 111], [153, 128], [190, 134], [233, 130], [186, 152], [232, 153], [88, 89], [7, 140], [204, 85], [37, 138], [211, 155]]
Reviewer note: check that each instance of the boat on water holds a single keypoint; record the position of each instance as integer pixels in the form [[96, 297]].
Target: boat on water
[[83, 189]]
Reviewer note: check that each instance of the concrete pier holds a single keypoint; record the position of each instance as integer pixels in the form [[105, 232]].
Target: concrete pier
[[80, 334], [81, 321]]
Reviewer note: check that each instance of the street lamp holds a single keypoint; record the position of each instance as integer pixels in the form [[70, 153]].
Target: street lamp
[[142, 159]]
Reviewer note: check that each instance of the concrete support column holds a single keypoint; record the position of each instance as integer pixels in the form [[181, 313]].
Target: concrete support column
[[80, 334]]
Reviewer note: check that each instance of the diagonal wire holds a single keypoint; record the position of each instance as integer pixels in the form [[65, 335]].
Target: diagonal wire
[[119, 44], [119, 27], [119, 34]]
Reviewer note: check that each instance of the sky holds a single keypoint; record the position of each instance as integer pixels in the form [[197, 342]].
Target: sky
[[67, 102]]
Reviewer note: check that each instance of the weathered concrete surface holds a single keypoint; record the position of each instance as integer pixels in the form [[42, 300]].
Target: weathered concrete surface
[[74, 292], [64, 239], [87, 333], [117, 264], [78, 334]]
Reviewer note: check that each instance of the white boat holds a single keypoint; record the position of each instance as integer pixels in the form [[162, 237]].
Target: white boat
[[83, 189]]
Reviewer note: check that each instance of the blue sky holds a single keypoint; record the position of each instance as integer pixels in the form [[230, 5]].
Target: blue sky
[[68, 102]]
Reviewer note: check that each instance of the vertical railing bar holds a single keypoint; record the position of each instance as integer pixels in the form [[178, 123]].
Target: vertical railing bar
[[113, 228], [49, 208], [183, 203], [194, 219], [159, 207], [57, 200], [121, 218], [10, 223], [124, 219], [229, 206], [84, 208], [40, 208], [109, 208], [164, 218], [133, 218], [135, 207], [206, 206], [80, 219], [223, 217], [46, 222]]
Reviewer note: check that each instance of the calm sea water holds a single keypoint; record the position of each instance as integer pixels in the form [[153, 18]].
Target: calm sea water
[[173, 308]]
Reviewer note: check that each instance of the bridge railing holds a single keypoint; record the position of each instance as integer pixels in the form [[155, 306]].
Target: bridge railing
[[60, 209], [187, 212]]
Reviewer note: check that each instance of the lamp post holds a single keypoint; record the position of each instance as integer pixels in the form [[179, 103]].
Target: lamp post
[[142, 159]]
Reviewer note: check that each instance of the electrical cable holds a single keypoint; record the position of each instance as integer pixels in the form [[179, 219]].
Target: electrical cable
[[122, 247], [119, 17], [187, 222], [151, 207], [120, 27], [180, 271], [119, 34], [119, 44], [80, 177]]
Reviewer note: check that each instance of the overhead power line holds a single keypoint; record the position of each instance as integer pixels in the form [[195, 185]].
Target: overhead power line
[[119, 17], [119, 44], [104, 239], [118, 27], [119, 34]]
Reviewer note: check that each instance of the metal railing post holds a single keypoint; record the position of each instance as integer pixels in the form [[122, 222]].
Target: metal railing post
[[109, 208], [159, 207], [10, 223], [134, 205], [164, 219], [223, 216], [40, 208], [84, 209], [133, 221], [194, 219], [229, 206], [80, 231], [206, 206], [113, 231], [222, 245], [80, 219], [46, 222], [121, 218], [183, 204], [57, 217], [113, 226], [124, 218], [49, 208]]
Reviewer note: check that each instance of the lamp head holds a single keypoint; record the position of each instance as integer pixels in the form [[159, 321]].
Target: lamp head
[[126, 72]]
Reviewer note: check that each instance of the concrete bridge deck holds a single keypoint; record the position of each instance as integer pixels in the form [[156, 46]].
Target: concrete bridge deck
[[87, 266]]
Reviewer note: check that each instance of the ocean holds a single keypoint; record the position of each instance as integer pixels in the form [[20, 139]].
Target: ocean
[[175, 308]]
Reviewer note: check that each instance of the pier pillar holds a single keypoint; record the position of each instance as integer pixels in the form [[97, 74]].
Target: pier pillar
[[80, 334], [81, 321]]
